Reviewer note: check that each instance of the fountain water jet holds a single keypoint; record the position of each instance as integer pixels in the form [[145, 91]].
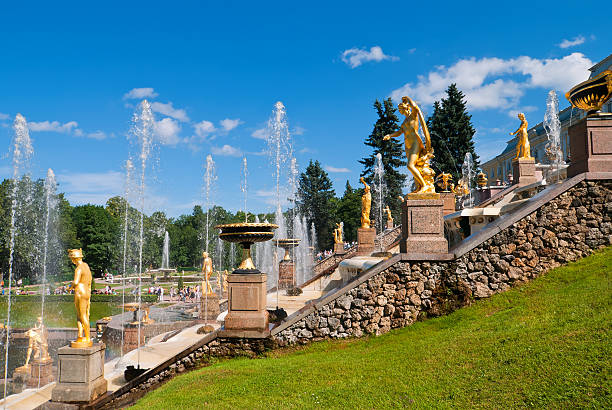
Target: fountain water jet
[[552, 126], [166, 252], [379, 189]]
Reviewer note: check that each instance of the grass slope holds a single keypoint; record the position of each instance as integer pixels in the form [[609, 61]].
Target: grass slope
[[544, 344]]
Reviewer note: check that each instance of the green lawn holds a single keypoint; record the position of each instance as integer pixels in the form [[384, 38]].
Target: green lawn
[[57, 314], [544, 344]]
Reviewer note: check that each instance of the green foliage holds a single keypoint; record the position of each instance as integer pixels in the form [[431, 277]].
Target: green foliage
[[451, 131], [392, 152], [348, 210], [545, 344], [315, 193], [180, 283]]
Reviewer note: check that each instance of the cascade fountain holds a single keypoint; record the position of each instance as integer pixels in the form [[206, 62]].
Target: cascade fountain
[[467, 172], [552, 126], [21, 150], [129, 169], [379, 189], [209, 179], [166, 252]]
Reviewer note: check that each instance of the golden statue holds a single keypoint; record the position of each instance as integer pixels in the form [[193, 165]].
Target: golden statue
[[338, 234], [207, 269], [522, 144], [82, 296], [418, 155], [482, 180], [225, 280], [389, 217], [366, 204], [37, 344], [445, 182], [461, 189]]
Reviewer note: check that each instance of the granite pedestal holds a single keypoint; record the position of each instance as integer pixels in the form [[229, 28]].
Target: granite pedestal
[[339, 248], [523, 171], [423, 225], [591, 145], [130, 337], [209, 307], [365, 241], [286, 274], [80, 374], [448, 201], [41, 372], [247, 315]]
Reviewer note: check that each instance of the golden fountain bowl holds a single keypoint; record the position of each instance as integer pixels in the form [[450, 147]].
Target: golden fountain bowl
[[592, 94], [286, 244], [246, 234]]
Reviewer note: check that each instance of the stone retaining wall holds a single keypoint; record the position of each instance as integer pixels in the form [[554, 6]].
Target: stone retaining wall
[[565, 229]]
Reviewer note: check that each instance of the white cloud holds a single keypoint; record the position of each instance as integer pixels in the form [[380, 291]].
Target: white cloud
[[226, 151], [229, 125], [53, 126], [138, 93], [486, 81], [170, 111], [571, 43], [329, 168], [97, 135], [4, 116], [298, 130], [167, 130], [94, 188], [355, 57], [260, 134], [204, 128], [527, 108]]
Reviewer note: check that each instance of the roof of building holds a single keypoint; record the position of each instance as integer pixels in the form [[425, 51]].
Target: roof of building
[[601, 66]]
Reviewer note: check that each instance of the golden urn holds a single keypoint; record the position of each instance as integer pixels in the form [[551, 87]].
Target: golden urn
[[592, 94]]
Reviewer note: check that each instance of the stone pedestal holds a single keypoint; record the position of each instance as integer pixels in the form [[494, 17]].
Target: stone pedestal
[[339, 248], [41, 372], [209, 307], [523, 171], [390, 224], [448, 202], [286, 274], [423, 225], [590, 145], [80, 374], [130, 337], [247, 315], [365, 241]]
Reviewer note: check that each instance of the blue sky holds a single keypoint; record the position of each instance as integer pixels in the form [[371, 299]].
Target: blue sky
[[213, 71]]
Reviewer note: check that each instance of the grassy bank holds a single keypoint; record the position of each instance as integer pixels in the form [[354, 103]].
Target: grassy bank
[[544, 344]]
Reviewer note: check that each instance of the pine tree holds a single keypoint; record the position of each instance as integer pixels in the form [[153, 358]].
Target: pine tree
[[451, 131], [392, 152], [316, 194], [349, 211]]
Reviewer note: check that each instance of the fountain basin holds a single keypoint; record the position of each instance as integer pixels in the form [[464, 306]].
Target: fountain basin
[[246, 234], [287, 245]]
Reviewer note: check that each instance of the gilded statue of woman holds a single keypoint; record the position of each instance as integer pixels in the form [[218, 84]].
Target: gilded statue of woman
[[82, 297], [418, 155], [523, 150], [366, 204], [207, 269]]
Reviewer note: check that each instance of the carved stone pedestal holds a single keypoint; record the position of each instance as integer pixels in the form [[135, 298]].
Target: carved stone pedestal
[[339, 248], [80, 374], [448, 200], [41, 372], [365, 241], [209, 306], [523, 171], [130, 337], [247, 315], [590, 145], [423, 225], [286, 274]]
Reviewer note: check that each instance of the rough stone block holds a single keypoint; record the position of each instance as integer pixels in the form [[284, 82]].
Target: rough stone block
[[365, 241]]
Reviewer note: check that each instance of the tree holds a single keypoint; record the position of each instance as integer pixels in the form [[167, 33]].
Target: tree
[[98, 232], [392, 153], [349, 211], [451, 131], [315, 193]]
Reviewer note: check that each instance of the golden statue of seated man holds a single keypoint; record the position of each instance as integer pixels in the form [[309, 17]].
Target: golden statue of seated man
[[82, 297], [417, 154], [38, 344]]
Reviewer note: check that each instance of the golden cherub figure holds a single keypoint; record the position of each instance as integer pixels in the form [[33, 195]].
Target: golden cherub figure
[[37, 343], [338, 234], [522, 145], [366, 204], [207, 269], [445, 182], [82, 297], [418, 155]]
